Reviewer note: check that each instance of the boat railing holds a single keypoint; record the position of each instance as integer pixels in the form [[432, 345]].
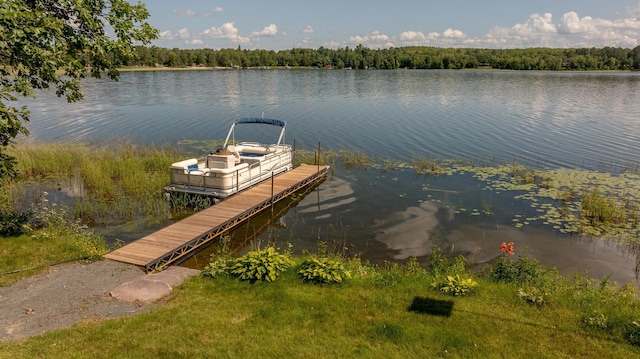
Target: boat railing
[[197, 178]]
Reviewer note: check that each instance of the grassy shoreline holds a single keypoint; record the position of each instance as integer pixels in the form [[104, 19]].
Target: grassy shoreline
[[519, 309], [374, 314]]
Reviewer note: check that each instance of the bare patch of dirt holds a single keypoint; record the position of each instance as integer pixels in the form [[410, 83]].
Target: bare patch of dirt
[[65, 295]]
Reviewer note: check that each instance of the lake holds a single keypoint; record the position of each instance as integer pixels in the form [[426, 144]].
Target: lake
[[546, 120]]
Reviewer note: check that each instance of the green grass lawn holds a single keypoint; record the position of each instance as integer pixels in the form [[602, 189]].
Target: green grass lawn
[[379, 313]]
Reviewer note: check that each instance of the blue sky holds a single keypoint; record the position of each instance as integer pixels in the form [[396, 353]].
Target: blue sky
[[287, 24]]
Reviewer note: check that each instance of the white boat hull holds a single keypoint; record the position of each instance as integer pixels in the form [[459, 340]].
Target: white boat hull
[[221, 175]]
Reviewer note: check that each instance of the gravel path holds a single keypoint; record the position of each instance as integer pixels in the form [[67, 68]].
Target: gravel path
[[66, 295]]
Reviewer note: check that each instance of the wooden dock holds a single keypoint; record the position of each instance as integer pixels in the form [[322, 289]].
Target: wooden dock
[[177, 241]]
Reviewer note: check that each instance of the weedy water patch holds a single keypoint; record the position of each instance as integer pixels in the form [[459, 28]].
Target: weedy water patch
[[561, 198], [355, 159], [124, 180], [422, 165], [117, 180], [570, 200], [320, 157]]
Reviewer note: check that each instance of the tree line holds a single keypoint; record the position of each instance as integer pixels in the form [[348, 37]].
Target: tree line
[[360, 57]]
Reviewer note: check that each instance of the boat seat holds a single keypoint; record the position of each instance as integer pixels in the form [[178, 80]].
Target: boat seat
[[234, 152], [255, 150], [186, 165]]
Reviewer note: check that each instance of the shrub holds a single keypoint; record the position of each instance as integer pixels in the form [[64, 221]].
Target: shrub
[[456, 285], [632, 334], [217, 266], [524, 270], [261, 264], [323, 271], [533, 296], [220, 260], [13, 223], [442, 265], [596, 320]]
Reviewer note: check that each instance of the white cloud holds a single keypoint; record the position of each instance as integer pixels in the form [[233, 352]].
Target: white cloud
[[377, 36], [538, 30], [217, 10], [269, 30], [183, 34], [572, 24], [453, 34], [306, 42], [375, 40], [598, 32], [332, 44], [227, 31], [190, 12], [166, 35], [571, 31], [412, 36]]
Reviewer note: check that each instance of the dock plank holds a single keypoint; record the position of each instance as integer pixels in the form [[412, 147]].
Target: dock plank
[[169, 244]]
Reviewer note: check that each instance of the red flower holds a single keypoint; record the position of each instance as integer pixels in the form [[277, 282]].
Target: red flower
[[507, 248]]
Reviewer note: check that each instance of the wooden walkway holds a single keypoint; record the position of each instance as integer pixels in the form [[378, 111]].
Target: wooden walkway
[[177, 241]]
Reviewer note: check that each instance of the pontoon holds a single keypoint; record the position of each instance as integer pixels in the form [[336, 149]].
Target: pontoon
[[234, 167]]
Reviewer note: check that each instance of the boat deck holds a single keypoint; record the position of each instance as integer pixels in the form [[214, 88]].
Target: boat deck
[[179, 240]]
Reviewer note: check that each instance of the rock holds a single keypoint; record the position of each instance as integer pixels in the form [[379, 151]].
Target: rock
[[152, 287]]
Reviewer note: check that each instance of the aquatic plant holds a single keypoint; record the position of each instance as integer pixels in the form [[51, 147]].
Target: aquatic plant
[[570, 200], [355, 159], [597, 210], [432, 167], [311, 157], [189, 202], [115, 180]]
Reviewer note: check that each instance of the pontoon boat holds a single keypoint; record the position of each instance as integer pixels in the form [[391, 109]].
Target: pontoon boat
[[234, 167]]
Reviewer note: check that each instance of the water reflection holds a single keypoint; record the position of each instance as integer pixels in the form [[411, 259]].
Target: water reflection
[[408, 233], [336, 194]]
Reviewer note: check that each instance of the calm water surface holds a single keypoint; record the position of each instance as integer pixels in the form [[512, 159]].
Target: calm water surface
[[585, 120]]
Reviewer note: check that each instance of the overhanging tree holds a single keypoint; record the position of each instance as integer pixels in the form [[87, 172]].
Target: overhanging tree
[[46, 44]]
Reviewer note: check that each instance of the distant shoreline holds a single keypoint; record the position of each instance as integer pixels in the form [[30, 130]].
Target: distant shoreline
[[263, 68], [164, 68]]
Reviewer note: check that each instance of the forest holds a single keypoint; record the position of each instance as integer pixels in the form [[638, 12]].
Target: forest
[[360, 57]]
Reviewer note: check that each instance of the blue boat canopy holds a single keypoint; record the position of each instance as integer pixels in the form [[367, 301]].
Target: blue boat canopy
[[267, 121]]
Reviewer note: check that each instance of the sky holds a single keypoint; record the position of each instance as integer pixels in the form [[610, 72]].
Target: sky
[[378, 24]]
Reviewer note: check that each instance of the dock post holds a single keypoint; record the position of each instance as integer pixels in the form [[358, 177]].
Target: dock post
[[318, 162], [272, 179]]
